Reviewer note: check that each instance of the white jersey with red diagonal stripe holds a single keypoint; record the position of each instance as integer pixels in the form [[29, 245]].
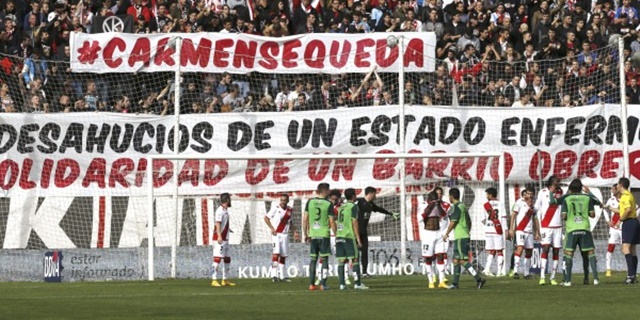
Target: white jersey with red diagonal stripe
[[222, 216], [524, 216], [444, 222], [280, 218], [494, 221], [615, 216], [551, 216]]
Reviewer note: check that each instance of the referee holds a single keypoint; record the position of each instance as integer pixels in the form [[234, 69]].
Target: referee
[[630, 229], [365, 207]]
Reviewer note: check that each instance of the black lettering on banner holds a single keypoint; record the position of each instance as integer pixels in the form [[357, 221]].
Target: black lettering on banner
[[126, 138], [232, 141], [13, 137], [632, 126], [305, 133], [472, 124], [138, 137], [531, 133], [100, 140], [571, 132], [202, 132], [184, 138], [381, 125], [594, 127], [445, 122], [614, 130], [324, 132], [72, 138], [261, 136], [507, 133], [26, 139], [551, 129], [408, 118], [161, 131], [357, 133], [48, 135], [427, 130]]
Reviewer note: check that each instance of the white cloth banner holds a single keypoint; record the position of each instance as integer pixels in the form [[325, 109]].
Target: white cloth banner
[[80, 155], [242, 53]]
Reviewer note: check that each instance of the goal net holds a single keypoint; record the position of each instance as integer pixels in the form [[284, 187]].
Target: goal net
[[256, 184]]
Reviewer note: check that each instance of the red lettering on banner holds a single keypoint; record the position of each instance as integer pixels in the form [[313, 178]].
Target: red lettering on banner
[[201, 54], [381, 54], [534, 164], [62, 179], [220, 56], [495, 164], [588, 161], [363, 53], [112, 45], [95, 173], [158, 166], [164, 54], [211, 177], [280, 172], [318, 172], [633, 166], [289, 57], [304, 193], [414, 166], [245, 54], [269, 50], [610, 165], [343, 56], [315, 60], [414, 53], [119, 171], [344, 167], [437, 166], [481, 167], [384, 168], [190, 172], [141, 52], [250, 175], [460, 166], [25, 183], [563, 165], [142, 167], [45, 178], [8, 167]]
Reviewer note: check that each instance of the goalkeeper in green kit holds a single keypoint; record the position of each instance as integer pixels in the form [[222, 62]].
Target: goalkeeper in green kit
[[348, 239]]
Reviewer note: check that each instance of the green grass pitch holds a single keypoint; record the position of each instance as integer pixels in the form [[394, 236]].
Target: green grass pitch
[[389, 298]]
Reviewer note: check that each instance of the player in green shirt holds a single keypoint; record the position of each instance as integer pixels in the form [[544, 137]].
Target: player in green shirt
[[317, 222], [348, 239], [460, 223], [577, 208]]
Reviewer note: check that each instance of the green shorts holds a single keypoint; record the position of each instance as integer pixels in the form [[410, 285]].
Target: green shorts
[[346, 248], [320, 247], [581, 238], [461, 249]]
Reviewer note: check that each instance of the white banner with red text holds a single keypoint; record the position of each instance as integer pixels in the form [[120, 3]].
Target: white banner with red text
[[80, 155], [242, 53]]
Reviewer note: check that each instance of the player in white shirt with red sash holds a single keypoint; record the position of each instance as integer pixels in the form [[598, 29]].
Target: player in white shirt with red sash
[[278, 219], [221, 242], [494, 220], [525, 227], [548, 207], [431, 212]]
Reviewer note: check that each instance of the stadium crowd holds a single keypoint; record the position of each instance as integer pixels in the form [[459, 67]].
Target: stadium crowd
[[489, 53]]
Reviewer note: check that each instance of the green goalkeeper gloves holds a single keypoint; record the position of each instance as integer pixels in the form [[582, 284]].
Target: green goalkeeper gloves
[[395, 215]]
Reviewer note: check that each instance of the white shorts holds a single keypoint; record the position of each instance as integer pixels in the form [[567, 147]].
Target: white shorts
[[333, 245], [615, 236], [280, 244], [524, 239], [494, 242], [552, 237], [432, 243], [221, 250]]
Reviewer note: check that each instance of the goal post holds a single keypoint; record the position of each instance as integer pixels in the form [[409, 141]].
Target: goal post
[[388, 165]]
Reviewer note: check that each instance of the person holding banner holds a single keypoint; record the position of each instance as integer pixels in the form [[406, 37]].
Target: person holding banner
[[365, 207]]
